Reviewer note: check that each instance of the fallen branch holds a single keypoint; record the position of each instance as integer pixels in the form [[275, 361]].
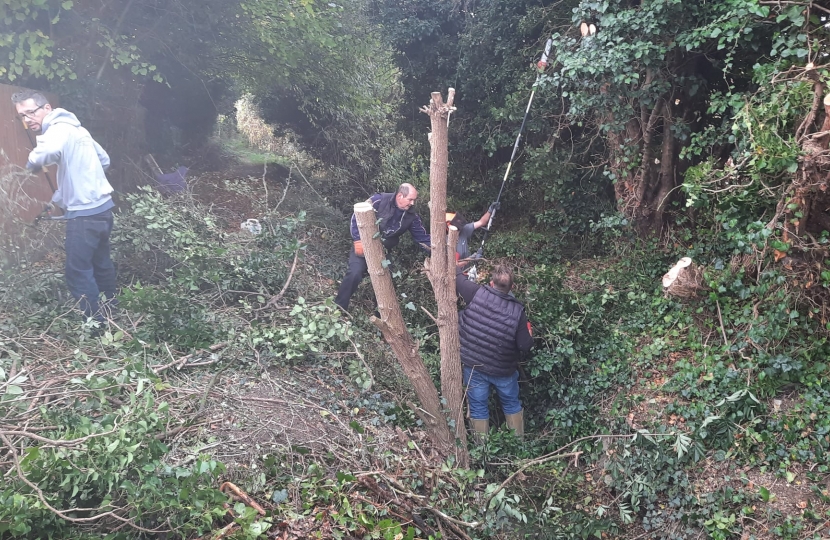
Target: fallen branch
[[557, 454], [287, 185], [442, 515], [241, 495], [181, 360], [54, 442], [365, 480], [453, 523], [63, 513], [274, 299], [224, 531], [175, 431], [362, 359]]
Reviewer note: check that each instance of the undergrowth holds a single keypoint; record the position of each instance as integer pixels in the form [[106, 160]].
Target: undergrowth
[[647, 415]]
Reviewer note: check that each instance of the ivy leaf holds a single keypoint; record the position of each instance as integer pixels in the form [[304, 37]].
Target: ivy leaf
[[280, 496], [410, 306], [67, 5], [14, 390]]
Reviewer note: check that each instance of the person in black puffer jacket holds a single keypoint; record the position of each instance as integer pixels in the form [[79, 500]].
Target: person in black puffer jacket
[[394, 210], [494, 332]]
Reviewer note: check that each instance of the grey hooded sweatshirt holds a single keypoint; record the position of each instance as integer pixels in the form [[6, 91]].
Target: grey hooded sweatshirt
[[82, 185]]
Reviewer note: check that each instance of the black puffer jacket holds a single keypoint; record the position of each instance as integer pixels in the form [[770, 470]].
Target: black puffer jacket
[[487, 328]]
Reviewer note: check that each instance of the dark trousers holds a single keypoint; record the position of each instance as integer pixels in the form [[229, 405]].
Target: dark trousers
[[354, 275], [89, 268]]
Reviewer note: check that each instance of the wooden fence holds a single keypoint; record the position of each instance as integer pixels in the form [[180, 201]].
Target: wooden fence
[[22, 194]]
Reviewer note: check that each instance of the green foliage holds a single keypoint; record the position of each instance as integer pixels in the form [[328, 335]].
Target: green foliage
[[27, 44], [200, 262], [110, 458], [316, 329], [194, 251], [35, 38], [581, 359], [172, 316]]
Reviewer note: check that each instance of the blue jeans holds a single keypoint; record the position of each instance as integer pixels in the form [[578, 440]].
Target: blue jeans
[[89, 268], [478, 392]]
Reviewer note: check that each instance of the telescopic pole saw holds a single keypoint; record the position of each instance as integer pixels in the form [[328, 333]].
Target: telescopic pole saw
[[540, 69]]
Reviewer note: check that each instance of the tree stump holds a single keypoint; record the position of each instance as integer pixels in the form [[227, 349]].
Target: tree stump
[[683, 280]]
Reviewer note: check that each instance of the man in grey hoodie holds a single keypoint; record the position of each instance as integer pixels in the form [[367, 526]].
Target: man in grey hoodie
[[83, 192]]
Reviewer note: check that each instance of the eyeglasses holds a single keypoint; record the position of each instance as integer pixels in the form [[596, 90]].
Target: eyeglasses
[[30, 114]]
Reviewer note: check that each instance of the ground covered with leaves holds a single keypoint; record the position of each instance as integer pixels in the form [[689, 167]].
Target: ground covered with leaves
[[229, 398]]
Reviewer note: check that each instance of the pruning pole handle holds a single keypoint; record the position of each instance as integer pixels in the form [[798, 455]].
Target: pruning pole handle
[[540, 66]]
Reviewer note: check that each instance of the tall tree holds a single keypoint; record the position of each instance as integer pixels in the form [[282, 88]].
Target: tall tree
[[640, 80], [441, 266]]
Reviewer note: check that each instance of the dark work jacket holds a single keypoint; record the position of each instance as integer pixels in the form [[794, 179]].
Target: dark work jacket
[[394, 222], [391, 229], [488, 330]]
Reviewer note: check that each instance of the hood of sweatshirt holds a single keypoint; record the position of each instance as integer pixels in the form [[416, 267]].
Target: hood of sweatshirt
[[59, 116]]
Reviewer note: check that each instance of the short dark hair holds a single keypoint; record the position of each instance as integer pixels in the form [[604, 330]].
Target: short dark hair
[[23, 95], [502, 277]]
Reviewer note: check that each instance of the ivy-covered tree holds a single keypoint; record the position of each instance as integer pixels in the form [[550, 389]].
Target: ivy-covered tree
[[663, 83], [642, 80]]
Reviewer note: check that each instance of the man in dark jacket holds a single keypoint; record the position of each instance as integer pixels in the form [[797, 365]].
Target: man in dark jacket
[[494, 332], [394, 210]]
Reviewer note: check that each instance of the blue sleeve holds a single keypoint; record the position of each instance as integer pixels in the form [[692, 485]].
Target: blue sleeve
[[419, 233], [353, 227], [466, 288]]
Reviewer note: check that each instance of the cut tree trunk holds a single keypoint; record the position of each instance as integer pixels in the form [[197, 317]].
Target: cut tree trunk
[[441, 268], [809, 194], [394, 330], [666, 181], [683, 280]]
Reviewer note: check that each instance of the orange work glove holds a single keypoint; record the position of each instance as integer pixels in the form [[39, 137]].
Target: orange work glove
[[529, 329], [358, 248]]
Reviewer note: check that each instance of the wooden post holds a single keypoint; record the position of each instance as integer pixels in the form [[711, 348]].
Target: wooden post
[[441, 267], [394, 330]]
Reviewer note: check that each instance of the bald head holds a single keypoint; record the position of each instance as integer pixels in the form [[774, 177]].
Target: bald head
[[406, 196]]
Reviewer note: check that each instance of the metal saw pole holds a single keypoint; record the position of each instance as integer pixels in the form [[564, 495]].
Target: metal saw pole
[[540, 69]]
